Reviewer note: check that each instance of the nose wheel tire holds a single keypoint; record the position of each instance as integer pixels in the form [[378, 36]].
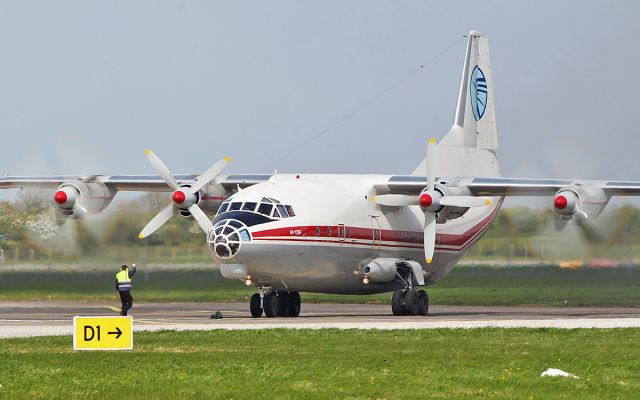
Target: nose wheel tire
[[254, 305], [271, 305]]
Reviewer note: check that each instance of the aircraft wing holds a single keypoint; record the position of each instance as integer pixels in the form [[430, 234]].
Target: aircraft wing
[[135, 183], [406, 184]]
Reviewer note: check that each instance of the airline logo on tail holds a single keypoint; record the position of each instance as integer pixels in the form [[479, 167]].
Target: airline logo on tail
[[478, 93]]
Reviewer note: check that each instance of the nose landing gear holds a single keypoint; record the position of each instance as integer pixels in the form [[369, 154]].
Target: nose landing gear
[[275, 304]]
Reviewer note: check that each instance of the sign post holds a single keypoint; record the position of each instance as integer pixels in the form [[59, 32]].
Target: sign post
[[102, 333]]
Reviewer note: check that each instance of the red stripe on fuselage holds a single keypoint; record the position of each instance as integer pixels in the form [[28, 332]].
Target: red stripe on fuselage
[[327, 233]]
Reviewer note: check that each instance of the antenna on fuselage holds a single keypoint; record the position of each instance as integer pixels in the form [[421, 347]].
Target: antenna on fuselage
[[272, 180]]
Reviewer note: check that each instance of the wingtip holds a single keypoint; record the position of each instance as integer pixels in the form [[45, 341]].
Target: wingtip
[[227, 159], [148, 151], [432, 140], [429, 260], [141, 236]]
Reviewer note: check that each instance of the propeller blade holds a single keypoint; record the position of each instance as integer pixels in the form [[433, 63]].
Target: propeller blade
[[559, 222], [162, 170], [431, 164], [429, 235], [201, 218], [395, 200], [210, 174], [156, 222], [465, 201]]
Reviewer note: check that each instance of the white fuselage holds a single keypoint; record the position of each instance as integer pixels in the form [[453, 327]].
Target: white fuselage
[[337, 230]]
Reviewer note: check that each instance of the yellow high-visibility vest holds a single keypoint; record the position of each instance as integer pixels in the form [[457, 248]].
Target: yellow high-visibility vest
[[124, 282]]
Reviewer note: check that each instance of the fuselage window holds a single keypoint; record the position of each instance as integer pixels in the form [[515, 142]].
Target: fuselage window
[[276, 214], [244, 236], [223, 208], [265, 209], [290, 211], [317, 231], [235, 206], [248, 206], [282, 211], [328, 231], [349, 232]]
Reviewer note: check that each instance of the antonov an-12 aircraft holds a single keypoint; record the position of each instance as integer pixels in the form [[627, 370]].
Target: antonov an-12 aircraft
[[348, 234]]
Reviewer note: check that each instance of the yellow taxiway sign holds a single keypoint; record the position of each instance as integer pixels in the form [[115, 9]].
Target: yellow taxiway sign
[[102, 333]]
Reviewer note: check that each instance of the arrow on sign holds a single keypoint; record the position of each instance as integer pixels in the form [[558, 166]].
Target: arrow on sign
[[118, 332]]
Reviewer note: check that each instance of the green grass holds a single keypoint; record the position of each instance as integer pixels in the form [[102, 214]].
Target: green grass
[[463, 286], [330, 364]]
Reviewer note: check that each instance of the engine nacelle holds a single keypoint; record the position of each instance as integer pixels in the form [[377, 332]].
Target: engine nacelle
[[208, 198], [579, 202], [381, 269], [566, 202], [211, 196], [79, 199]]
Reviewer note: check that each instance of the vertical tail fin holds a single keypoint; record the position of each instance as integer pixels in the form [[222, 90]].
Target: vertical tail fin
[[474, 123], [469, 147]]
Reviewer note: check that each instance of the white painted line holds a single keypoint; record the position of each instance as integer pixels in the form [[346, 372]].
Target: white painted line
[[601, 323]]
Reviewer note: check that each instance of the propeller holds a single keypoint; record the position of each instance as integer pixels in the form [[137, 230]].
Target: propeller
[[431, 201], [184, 197]]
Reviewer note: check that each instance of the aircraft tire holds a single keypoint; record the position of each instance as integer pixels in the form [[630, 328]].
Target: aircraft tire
[[423, 303], [411, 302], [397, 300], [294, 304], [271, 305], [284, 302], [254, 306]]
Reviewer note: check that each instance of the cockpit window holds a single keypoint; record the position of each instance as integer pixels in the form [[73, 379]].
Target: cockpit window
[[276, 214], [282, 211], [265, 209], [223, 208], [249, 206], [290, 211], [268, 207]]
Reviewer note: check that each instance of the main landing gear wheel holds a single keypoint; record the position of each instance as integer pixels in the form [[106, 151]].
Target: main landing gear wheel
[[276, 304], [255, 306], [423, 303], [294, 304], [271, 305], [288, 304], [397, 302], [411, 302], [283, 304]]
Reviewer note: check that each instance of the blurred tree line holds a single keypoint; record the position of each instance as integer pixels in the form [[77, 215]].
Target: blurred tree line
[[28, 229]]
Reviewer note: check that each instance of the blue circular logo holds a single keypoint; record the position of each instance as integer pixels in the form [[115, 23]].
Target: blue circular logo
[[478, 93]]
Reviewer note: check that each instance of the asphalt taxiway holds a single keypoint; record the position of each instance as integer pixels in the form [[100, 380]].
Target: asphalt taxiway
[[21, 319]]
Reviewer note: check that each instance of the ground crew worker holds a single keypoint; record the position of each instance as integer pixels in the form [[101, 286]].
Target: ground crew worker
[[124, 285]]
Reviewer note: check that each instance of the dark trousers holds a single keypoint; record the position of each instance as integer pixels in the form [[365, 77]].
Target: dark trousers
[[127, 301]]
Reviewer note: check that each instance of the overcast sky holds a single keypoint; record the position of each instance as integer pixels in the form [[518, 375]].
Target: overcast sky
[[87, 86]]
